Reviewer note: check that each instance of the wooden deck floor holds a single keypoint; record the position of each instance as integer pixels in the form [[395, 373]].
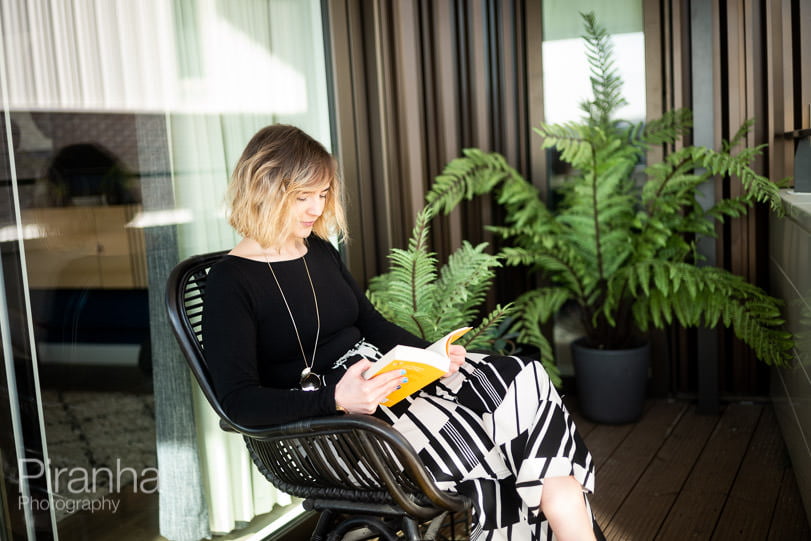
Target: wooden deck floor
[[676, 474]]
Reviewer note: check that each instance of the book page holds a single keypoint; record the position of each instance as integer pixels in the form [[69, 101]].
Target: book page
[[441, 346]]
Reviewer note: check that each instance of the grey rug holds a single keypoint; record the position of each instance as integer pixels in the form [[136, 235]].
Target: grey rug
[[99, 445]]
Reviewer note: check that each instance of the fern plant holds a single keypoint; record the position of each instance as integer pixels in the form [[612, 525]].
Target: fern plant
[[625, 254], [429, 300]]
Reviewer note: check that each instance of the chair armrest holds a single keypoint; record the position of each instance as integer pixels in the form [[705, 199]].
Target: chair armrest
[[367, 439]]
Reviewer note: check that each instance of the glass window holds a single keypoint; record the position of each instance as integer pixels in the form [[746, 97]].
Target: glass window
[[565, 66], [125, 119]]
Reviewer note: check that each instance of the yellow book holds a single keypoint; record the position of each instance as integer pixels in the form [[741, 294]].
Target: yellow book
[[422, 366]]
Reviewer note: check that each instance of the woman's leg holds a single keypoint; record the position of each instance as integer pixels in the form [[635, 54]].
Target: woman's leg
[[564, 505], [496, 432], [539, 440]]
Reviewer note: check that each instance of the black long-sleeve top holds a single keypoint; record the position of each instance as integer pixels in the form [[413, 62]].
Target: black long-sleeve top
[[250, 344]]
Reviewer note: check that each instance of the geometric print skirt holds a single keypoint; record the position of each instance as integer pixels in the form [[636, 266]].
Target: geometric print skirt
[[493, 432]]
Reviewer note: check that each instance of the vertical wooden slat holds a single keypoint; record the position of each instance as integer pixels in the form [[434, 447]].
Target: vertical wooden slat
[[746, 98], [773, 85], [784, 108], [381, 107], [479, 62], [804, 64], [667, 58], [677, 60], [654, 69], [733, 239], [410, 108], [533, 43], [758, 218], [521, 128], [447, 127], [736, 88], [654, 105], [780, 77], [383, 126], [754, 99], [508, 83], [720, 92]]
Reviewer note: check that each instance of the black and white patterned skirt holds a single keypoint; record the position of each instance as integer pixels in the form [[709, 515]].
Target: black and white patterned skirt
[[493, 432]]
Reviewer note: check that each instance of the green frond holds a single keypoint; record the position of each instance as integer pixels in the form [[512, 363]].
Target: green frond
[[429, 301], [757, 187], [606, 84], [740, 135], [406, 293], [668, 128], [709, 296], [465, 279], [574, 142], [485, 333], [537, 307], [732, 208], [473, 174]]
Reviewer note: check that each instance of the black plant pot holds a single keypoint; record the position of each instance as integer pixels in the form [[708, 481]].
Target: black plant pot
[[611, 383]]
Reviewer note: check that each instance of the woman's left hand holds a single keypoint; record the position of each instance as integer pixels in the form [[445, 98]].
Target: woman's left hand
[[457, 355]]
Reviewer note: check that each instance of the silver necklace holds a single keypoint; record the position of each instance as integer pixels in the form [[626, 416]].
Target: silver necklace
[[310, 381]]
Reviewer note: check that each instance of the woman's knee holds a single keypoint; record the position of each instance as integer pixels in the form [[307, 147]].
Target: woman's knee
[[562, 497]]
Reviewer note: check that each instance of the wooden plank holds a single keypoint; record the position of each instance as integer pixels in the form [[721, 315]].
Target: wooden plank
[[699, 504], [584, 426], [652, 496], [600, 439], [604, 440], [789, 520], [756, 488], [620, 471]]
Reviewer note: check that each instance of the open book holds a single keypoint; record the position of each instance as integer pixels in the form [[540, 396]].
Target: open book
[[422, 366]]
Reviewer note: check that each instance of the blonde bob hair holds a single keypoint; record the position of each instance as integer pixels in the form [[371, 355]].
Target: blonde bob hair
[[279, 163]]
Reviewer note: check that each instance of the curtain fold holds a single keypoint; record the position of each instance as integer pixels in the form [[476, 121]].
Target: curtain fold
[[236, 491]]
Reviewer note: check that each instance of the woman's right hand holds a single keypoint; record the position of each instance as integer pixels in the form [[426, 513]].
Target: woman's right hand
[[358, 395]]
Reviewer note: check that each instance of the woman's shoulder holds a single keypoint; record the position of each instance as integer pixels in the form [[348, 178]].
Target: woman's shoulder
[[229, 263], [233, 270], [322, 247]]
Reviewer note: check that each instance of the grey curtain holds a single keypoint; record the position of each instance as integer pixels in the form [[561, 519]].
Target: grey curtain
[[183, 510]]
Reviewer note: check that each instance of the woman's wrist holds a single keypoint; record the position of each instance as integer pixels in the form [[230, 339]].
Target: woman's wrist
[[338, 407]]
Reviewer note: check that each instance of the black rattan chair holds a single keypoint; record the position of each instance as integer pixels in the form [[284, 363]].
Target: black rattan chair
[[361, 475]]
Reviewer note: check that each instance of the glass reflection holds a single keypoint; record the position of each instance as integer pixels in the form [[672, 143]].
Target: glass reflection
[[125, 120]]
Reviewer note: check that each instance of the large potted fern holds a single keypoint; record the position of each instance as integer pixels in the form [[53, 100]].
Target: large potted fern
[[624, 252]]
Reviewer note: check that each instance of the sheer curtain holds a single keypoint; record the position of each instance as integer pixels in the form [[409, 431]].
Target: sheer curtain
[[216, 71]]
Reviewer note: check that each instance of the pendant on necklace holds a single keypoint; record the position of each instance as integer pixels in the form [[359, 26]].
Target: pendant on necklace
[[310, 381]]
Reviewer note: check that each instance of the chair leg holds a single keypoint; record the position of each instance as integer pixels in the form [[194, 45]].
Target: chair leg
[[361, 534], [411, 529], [434, 526], [374, 524], [322, 526]]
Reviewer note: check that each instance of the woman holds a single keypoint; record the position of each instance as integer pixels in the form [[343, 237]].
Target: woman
[[288, 334]]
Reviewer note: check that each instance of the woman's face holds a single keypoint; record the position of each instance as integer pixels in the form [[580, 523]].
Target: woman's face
[[308, 207]]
